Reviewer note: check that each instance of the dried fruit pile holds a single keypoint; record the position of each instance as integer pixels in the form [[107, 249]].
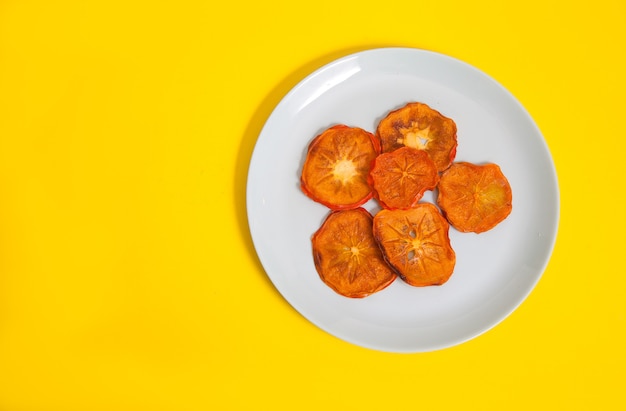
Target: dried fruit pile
[[413, 151]]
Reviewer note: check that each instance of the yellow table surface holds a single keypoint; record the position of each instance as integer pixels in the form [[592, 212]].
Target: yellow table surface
[[128, 278]]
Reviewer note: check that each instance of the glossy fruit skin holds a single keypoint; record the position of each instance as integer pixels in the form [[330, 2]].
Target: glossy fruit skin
[[419, 126], [475, 198], [347, 257], [416, 244], [400, 178], [337, 165]]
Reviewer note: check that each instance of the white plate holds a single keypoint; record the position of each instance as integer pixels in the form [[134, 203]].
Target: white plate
[[495, 270]]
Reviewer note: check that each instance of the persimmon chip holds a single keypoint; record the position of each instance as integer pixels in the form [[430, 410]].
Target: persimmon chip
[[337, 166], [419, 126], [474, 198], [415, 243], [347, 257], [400, 178]]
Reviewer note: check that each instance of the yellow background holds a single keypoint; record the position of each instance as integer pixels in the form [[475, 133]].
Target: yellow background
[[128, 279]]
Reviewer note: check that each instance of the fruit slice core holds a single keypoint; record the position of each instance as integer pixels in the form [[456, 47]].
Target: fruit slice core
[[400, 178], [336, 167], [347, 257], [419, 126], [415, 243], [474, 198]]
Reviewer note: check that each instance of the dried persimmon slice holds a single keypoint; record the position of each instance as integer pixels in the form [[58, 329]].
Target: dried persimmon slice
[[419, 126], [415, 243], [474, 198], [347, 257], [337, 165], [400, 178]]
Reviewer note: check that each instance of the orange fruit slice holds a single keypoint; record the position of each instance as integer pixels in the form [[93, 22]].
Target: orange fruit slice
[[415, 243], [337, 166], [400, 178], [347, 257], [474, 198], [419, 126]]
